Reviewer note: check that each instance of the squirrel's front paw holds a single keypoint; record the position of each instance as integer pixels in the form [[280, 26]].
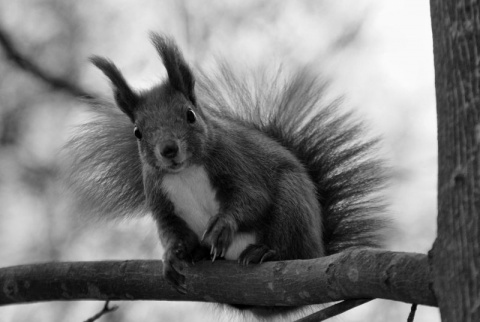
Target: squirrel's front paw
[[219, 235], [174, 260]]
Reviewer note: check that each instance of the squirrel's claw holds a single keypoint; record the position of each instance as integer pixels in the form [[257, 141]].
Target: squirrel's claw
[[219, 235], [214, 256]]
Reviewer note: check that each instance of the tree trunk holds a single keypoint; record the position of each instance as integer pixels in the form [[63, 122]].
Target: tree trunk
[[455, 256]]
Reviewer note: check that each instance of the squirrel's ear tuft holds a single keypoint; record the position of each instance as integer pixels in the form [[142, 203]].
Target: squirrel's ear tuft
[[125, 97], [179, 73]]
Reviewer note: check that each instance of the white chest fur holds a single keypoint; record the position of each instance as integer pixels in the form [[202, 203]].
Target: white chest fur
[[193, 197], [195, 202]]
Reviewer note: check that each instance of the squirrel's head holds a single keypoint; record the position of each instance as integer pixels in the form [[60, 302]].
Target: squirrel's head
[[166, 120]]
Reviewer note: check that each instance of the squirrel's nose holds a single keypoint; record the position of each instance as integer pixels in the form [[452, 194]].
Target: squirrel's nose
[[169, 149]]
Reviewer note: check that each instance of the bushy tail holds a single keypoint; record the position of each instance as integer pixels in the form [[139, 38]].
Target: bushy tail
[[331, 144], [104, 170]]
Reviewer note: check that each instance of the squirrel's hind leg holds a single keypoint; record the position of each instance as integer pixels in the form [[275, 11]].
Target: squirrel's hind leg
[[293, 226], [257, 254]]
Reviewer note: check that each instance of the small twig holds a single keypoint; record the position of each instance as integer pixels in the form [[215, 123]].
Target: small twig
[[29, 66], [411, 316], [333, 310], [105, 310]]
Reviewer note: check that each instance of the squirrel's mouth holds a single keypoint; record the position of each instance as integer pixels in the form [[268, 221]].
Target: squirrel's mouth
[[176, 166]]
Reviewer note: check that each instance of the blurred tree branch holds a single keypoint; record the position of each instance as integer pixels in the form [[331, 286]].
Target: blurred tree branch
[[106, 309], [333, 310], [357, 274], [29, 66]]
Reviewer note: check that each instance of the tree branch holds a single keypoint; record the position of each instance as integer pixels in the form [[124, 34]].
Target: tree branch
[[411, 316], [29, 66], [333, 310], [106, 309], [365, 273]]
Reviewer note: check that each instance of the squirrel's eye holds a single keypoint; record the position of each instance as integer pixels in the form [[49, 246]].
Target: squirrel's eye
[[137, 133], [191, 117]]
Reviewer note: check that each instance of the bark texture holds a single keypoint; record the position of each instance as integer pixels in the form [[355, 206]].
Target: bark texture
[[356, 274], [455, 257]]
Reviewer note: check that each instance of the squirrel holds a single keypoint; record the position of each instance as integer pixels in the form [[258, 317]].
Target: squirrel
[[230, 167]]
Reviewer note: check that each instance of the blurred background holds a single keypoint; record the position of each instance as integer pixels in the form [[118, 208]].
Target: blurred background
[[376, 53]]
